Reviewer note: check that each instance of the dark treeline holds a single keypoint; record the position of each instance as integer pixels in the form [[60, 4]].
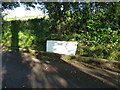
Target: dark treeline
[[95, 26]]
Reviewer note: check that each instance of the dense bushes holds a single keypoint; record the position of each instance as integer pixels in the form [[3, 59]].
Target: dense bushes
[[96, 32], [34, 37]]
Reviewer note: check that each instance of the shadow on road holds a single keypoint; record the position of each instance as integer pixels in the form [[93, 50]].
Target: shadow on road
[[22, 70]]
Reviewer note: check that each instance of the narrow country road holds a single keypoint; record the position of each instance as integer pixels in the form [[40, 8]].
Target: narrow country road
[[19, 71]]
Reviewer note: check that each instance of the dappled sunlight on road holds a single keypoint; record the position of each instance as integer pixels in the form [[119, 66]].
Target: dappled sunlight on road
[[44, 75], [106, 76], [25, 70]]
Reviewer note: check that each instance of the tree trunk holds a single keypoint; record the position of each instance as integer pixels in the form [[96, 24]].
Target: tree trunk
[[14, 38]]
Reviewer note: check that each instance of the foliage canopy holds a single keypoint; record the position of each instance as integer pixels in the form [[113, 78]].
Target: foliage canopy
[[95, 26]]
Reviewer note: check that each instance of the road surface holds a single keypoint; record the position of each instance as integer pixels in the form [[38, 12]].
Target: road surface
[[25, 71]]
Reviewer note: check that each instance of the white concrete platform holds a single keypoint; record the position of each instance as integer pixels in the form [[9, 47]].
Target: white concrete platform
[[61, 47]]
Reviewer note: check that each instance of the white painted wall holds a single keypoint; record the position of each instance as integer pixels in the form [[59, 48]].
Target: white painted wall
[[61, 47]]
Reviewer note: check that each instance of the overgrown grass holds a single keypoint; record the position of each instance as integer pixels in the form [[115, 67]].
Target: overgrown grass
[[106, 51]]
